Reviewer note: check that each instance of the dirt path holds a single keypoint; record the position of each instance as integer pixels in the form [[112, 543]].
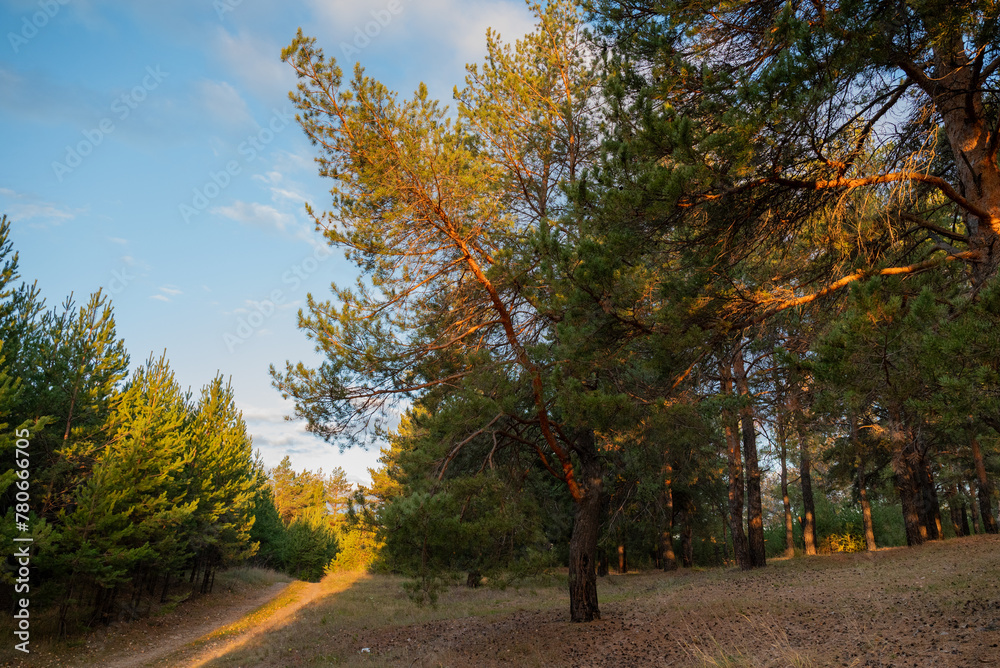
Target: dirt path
[[151, 650], [155, 641], [197, 650]]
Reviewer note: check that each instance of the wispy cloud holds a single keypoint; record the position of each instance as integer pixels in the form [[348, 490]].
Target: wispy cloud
[[258, 215], [223, 103], [166, 292], [35, 212], [256, 63]]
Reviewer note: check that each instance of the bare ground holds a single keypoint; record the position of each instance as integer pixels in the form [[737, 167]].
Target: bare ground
[[937, 605]]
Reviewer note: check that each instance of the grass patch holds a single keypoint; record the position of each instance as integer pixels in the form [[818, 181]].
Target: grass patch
[[764, 645], [248, 577]]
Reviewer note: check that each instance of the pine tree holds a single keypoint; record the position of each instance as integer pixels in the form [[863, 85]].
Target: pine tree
[[221, 478], [80, 364], [439, 213], [132, 511]]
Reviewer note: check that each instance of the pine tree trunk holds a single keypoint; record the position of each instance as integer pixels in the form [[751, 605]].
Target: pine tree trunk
[[808, 504], [755, 512], [64, 606], [808, 519], [205, 579], [960, 102], [866, 519], [583, 603], [786, 502], [687, 546], [667, 558], [166, 588], [916, 532], [741, 549], [974, 508], [965, 519], [910, 499], [866, 509], [955, 511], [932, 506], [69, 416], [989, 522], [622, 564], [725, 540]]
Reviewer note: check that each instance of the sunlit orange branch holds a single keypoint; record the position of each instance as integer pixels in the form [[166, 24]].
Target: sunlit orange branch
[[847, 280], [891, 177]]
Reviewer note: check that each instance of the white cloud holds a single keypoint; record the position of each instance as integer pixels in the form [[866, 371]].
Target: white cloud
[[274, 438], [133, 262], [290, 195], [467, 29], [256, 62], [344, 16], [166, 292], [458, 26], [224, 103], [257, 215], [288, 161], [35, 212]]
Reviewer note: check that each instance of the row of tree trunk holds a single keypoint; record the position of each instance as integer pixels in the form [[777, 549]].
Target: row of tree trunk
[[914, 480], [748, 546], [124, 600], [911, 464]]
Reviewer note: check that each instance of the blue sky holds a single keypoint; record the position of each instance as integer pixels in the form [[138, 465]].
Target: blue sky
[[148, 149]]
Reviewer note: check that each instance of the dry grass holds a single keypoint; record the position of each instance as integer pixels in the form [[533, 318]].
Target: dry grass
[[332, 630], [938, 605], [764, 645]]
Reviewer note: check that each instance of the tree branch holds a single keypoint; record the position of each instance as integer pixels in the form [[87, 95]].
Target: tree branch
[[947, 234], [892, 177], [454, 451], [847, 280]]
